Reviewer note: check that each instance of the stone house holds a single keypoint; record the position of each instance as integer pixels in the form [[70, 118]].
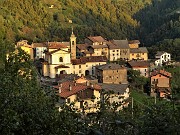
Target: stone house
[[111, 73]]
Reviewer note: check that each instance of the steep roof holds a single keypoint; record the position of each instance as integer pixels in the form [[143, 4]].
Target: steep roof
[[122, 44], [135, 63], [110, 66], [139, 50], [84, 60], [97, 39], [111, 45], [117, 88], [162, 72]]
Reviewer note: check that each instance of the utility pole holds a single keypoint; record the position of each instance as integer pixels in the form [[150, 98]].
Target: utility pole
[[132, 106]]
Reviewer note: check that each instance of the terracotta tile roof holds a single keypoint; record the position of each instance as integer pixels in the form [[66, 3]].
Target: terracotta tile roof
[[70, 88], [111, 45], [82, 46], [135, 63], [162, 72], [97, 39], [35, 45], [87, 59], [134, 42], [110, 66], [139, 50], [56, 45]]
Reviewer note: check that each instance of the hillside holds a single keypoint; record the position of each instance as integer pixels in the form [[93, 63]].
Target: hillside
[[48, 19], [160, 27], [155, 23]]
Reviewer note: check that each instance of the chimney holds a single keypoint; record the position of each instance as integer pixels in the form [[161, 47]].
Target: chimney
[[60, 88], [87, 83], [70, 87]]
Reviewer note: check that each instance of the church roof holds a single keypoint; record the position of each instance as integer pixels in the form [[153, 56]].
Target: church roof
[[87, 59]]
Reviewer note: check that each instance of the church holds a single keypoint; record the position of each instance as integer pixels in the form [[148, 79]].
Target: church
[[61, 59]]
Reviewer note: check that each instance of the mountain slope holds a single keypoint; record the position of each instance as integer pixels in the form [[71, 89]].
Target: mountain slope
[[48, 19]]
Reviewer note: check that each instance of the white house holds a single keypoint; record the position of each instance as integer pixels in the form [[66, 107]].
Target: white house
[[39, 49], [162, 57]]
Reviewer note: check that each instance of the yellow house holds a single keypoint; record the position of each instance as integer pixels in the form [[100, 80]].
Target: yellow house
[[136, 52], [23, 44], [83, 95], [140, 53]]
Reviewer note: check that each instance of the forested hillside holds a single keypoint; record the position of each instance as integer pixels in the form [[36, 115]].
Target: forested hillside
[[160, 27], [153, 22], [49, 19]]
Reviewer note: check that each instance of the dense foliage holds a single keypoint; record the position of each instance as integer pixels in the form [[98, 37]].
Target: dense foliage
[[49, 20]]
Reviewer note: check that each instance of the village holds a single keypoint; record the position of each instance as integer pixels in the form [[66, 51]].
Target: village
[[84, 74]]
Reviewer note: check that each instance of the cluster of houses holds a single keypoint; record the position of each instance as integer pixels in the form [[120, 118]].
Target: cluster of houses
[[86, 73]]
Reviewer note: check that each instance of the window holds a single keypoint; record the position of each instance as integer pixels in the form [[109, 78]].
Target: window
[[117, 70], [79, 66], [110, 77], [144, 69], [113, 50], [113, 54], [132, 54], [60, 59], [145, 74], [142, 53], [79, 71], [72, 42], [86, 65], [68, 100]]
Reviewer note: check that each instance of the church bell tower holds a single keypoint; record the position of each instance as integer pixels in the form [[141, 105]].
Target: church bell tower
[[73, 45]]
